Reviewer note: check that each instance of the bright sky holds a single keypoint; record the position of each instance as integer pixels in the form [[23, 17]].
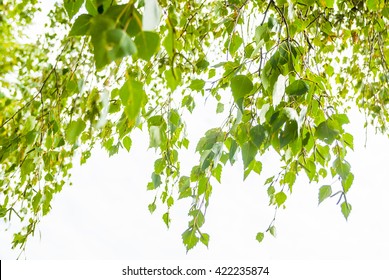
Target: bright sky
[[104, 214]]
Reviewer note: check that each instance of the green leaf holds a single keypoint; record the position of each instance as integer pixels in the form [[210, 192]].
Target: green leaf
[[241, 86], [342, 168], [346, 209], [170, 201], [72, 7], [81, 26], [326, 132], [280, 198], [189, 238], [289, 134], [298, 87], [36, 201], [255, 166], [346, 184], [259, 237], [262, 33], [206, 159], [290, 178], [197, 84], [173, 78], [159, 165], [232, 151], [217, 172], [49, 177], [152, 207], [257, 134], [204, 238], [272, 230], [133, 98], [324, 192], [249, 150], [348, 140], [127, 143], [74, 130], [155, 136], [166, 219], [184, 187], [3, 212], [198, 218], [184, 183], [310, 169], [212, 136], [147, 44], [220, 108], [156, 179], [233, 44]]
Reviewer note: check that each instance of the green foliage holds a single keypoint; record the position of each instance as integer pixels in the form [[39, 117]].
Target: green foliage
[[282, 74]]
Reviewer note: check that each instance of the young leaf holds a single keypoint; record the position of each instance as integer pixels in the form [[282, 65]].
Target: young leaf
[[220, 108], [298, 87], [204, 238], [346, 209], [166, 219], [324, 192], [217, 172], [189, 238], [127, 143], [272, 230], [280, 198], [348, 182], [152, 207], [259, 237]]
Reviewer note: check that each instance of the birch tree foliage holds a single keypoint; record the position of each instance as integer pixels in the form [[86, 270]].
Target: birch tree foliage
[[284, 73]]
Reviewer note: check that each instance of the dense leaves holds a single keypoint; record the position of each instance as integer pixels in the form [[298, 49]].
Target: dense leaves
[[282, 73]]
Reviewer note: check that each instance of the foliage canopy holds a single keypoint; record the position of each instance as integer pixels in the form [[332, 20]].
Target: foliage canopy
[[283, 72]]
